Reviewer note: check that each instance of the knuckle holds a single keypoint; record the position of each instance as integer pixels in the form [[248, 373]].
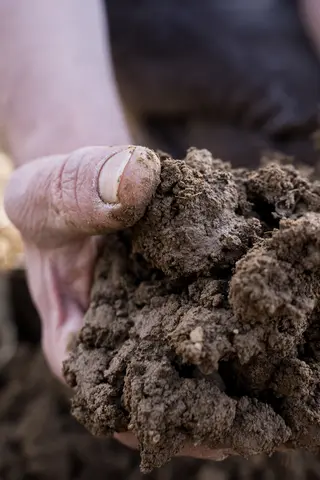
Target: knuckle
[[64, 188], [68, 187]]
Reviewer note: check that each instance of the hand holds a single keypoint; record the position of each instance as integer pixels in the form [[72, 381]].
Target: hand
[[61, 204]]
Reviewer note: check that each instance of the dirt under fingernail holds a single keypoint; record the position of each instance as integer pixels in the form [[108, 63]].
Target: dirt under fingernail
[[203, 327]]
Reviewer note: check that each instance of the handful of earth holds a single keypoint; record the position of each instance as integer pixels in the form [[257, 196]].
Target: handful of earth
[[203, 327]]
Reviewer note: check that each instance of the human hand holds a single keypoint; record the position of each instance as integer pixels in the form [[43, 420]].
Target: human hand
[[61, 204]]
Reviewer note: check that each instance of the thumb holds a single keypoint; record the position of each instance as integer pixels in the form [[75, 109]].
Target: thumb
[[56, 199]]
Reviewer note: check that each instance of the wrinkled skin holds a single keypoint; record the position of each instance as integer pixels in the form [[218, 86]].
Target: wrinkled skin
[[237, 77]]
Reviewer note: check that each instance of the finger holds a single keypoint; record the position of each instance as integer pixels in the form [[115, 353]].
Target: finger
[[203, 453], [92, 190], [57, 339], [59, 307], [310, 13]]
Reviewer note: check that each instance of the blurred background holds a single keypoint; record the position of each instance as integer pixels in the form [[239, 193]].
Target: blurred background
[[190, 74]]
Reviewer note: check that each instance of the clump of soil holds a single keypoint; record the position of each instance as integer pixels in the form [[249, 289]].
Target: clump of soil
[[39, 440], [203, 327]]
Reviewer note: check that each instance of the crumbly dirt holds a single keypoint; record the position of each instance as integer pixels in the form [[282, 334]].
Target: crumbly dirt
[[39, 440], [203, 327]]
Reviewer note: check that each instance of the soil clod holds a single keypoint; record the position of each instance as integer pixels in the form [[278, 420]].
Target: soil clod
[[204, 317]]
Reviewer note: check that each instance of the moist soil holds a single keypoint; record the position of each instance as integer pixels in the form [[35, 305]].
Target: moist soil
[[203, 327], [39, 440]]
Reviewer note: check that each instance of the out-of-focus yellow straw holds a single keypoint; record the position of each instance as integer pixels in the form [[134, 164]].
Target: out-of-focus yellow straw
[[11, 249]]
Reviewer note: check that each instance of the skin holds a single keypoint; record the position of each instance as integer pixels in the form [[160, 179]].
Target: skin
[[58, 95]]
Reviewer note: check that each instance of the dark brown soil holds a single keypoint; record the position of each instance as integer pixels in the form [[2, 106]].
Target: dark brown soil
[[39, 440], [203, 327]]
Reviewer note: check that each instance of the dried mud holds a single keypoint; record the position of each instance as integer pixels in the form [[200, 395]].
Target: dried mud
[[203, 327]]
